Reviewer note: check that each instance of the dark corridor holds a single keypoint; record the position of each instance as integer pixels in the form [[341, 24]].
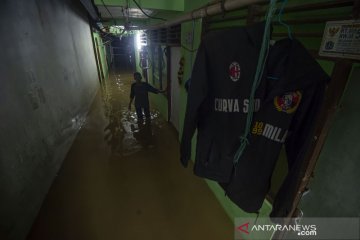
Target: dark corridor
[[123, 53], [121, 180]]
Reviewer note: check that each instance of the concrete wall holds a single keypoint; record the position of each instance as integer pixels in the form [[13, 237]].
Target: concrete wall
[[48, 81]]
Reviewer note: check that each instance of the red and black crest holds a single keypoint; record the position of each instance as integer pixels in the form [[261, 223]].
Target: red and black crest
[[234, 71]]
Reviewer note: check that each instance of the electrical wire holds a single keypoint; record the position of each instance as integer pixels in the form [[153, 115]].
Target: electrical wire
[[281, 11], [244, 141], [108, 11], [138, 5], [127, 15]]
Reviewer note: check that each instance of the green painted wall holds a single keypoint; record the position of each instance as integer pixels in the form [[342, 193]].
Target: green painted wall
[[102, 51], [160, 101]]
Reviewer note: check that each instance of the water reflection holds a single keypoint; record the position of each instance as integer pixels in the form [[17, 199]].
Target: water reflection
[[114, 133], [143, 133]]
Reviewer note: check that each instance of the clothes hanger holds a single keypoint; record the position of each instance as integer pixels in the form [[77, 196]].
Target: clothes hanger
[[279, 18], [280, 14]]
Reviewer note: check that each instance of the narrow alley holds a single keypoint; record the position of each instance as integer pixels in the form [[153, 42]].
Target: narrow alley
[[121, 180]]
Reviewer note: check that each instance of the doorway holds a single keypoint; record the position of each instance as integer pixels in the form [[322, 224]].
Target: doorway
[[175, 86]]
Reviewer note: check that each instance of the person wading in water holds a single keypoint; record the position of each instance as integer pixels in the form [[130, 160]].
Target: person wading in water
[[139, 91]]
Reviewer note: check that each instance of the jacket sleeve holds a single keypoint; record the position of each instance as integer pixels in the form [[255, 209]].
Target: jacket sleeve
[[196, 95], [296, 145], [151, 89]]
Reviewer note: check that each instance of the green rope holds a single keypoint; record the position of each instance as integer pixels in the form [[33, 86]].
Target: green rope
[[244, 141]]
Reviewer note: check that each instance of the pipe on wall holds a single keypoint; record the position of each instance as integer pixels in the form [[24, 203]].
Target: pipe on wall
[[207, 10]]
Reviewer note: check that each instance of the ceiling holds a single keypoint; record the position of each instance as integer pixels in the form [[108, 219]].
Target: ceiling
[[128, 12], [123, 12]]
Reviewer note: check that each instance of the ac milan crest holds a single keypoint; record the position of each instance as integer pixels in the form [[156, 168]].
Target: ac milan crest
[[288, 102], [234, 71]]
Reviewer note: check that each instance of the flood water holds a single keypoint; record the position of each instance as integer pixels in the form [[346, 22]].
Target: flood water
[[122, 179]]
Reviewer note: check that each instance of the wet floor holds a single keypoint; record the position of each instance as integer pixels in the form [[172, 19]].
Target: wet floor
[[122, 180]]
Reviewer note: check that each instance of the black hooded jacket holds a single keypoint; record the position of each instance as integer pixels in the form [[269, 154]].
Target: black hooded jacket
[[286, 104]]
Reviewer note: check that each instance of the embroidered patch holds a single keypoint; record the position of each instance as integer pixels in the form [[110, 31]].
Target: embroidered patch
[[234, 71], [288, 102]]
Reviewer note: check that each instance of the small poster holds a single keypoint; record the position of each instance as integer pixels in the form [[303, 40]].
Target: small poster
[[341, 39]]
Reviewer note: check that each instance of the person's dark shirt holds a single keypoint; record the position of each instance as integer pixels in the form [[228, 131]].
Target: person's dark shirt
[[140, 92]]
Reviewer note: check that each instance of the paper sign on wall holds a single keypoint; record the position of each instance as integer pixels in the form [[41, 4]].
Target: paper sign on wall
[[341, 39]]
